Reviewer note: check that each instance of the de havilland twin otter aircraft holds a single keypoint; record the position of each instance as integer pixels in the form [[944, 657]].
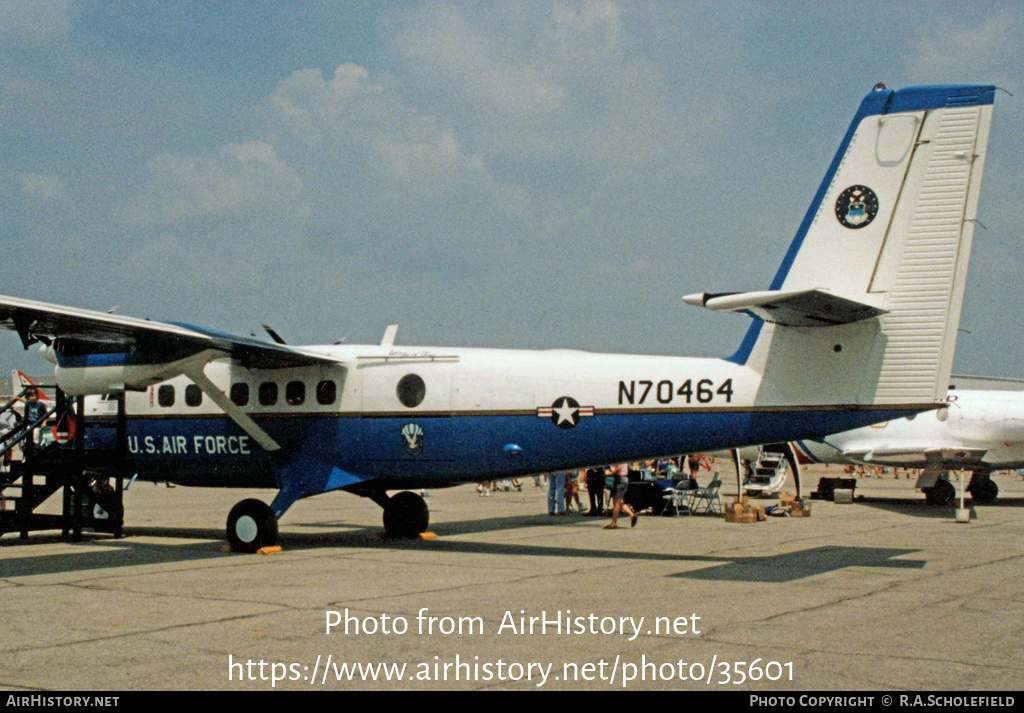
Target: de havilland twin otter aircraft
[[857, 327]]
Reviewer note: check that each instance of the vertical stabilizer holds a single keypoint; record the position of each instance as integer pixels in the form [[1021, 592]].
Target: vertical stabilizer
[[890, 230]]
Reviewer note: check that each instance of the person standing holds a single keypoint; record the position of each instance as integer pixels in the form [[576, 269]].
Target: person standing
[[595, 488], [35, 411], [621, 475], [572, 491], [34, 408], [556, 493]]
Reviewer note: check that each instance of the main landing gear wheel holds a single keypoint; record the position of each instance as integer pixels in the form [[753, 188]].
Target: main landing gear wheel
[[983, 489], [251, 526], [406, 515], [942, 493]]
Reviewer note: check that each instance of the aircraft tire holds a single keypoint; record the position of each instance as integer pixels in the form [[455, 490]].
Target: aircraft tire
[[942, 493], [983, 490], [406, 515], [251, 526]]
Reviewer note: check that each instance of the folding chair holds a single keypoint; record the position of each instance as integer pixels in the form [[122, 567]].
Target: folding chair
[[678, 497], [674, 500], [706, 500]]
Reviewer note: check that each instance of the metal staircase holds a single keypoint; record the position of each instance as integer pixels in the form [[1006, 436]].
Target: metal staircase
[[767, 474], [50, 460]]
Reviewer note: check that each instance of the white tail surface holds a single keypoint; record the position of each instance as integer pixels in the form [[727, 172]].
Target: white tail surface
[[890, 229]]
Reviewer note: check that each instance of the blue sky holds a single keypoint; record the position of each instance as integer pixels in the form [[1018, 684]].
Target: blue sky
[[520, 174]]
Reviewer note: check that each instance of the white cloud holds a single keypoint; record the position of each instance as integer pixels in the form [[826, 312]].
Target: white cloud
[[40, 189], [568, 86], [313, 108], [245, 175], [357, 125], [434, 154], [437, 43]]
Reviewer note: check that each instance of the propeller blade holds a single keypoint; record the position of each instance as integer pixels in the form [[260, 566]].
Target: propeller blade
[[274, 335]]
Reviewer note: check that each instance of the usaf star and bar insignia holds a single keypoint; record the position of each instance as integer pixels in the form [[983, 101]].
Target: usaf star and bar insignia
[[565, 412]]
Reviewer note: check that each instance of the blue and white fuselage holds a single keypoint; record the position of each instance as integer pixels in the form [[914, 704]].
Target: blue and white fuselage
[[479, 413]]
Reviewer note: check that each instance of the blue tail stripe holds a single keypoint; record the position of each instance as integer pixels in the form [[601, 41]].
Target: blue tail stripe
[[874, 103]]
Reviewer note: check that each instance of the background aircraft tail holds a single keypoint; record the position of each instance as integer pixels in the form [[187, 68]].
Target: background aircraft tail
[[19, 381], [868, 297]]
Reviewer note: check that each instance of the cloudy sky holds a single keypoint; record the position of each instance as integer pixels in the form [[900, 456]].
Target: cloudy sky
[[521, 174]]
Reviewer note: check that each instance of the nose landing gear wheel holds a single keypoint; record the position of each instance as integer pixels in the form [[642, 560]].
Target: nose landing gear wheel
[[251, 526]]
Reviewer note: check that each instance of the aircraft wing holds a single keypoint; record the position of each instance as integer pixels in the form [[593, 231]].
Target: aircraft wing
[[910, 456], [41, 321]]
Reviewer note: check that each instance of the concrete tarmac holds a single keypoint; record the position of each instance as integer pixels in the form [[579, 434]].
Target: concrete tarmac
[[886, 593]]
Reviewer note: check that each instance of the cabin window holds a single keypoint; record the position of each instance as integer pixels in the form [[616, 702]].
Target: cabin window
[[326, 393], [193, 395], [240, 394], [165, 396], [295, 393], [411, 390], [268, 393]]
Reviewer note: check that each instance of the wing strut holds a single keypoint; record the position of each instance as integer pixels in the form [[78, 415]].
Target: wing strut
[[198, 374]]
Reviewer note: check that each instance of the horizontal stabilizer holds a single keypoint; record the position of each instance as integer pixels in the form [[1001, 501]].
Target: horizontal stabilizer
[[792, 308]]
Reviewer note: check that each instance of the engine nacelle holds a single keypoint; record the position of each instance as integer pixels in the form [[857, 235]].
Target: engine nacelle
[[97, 368], [79, 381]]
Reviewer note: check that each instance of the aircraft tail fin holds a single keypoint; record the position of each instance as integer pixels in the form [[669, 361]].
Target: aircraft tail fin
[[868, 296], [19, 382]]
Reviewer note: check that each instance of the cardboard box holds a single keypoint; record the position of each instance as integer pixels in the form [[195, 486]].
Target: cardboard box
[[842, 496], [799, 508], [740, 511], [744, 517]]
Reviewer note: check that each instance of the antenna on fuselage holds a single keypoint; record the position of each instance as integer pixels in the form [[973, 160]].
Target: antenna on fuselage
[[389, 335]]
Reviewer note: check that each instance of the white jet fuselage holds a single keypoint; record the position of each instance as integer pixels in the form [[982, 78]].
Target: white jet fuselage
[[979, 430]]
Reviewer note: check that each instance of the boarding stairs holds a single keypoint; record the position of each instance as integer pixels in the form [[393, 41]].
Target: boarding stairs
[[767, 474], [35, 464]]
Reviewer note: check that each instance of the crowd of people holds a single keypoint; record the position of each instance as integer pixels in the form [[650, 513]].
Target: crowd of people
[[606, 486]]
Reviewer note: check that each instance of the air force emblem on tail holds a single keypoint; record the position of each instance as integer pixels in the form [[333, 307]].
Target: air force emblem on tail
[[856, 207]]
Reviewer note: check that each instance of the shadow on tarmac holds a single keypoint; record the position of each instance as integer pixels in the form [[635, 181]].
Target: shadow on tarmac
[[804, 563], [920, 508], [129, 552]]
